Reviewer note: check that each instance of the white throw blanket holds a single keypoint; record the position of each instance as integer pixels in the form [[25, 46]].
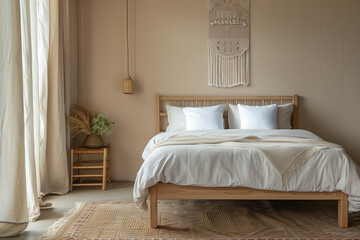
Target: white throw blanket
[[248, 158], [284, 153]]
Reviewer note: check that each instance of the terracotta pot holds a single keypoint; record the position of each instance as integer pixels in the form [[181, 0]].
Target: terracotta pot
[[93, 141]]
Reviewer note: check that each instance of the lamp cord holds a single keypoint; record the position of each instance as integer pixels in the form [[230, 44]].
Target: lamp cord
[[127, 36]]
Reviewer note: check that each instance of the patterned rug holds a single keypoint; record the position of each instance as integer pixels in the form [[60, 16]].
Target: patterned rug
[[206, 219]]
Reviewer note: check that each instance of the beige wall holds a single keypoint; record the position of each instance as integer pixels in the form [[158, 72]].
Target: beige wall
[[306, 47]]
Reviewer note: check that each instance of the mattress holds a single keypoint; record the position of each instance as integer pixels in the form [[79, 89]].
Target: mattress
[[239, 165]]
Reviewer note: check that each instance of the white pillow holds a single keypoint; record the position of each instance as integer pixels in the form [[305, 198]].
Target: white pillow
[[176, 119], [204, 118], [258, 117], [283, 116]]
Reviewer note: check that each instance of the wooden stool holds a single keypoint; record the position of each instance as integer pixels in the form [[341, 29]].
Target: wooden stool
[[81, 166]]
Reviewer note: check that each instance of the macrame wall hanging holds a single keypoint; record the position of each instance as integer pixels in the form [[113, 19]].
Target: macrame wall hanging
[[228, 43]]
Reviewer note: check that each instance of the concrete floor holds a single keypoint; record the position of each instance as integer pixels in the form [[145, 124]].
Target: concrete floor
[[116, 191]]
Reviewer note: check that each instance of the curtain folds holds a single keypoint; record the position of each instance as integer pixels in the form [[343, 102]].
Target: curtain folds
[[56, 137], [12, 149], [34, 47], [38, 83]]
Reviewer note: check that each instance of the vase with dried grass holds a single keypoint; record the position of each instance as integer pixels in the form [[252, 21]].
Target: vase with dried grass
[[83, 121]]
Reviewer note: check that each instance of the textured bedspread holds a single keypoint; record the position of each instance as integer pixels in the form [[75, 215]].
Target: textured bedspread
[[248, 158]]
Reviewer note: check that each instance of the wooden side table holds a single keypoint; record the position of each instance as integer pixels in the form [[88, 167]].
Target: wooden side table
[[79, 167]]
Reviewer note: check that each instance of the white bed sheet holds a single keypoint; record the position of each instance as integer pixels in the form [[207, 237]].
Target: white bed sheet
[[215, 166]]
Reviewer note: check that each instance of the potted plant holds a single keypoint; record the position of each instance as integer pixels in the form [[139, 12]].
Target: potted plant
[[94, 126]]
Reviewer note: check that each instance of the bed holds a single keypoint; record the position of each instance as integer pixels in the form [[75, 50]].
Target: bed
[[160, 188]]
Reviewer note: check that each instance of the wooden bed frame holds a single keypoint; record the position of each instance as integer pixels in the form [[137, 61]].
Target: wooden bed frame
[[172, 191]]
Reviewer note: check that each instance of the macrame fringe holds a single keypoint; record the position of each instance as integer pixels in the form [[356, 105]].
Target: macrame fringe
[[53, 229], [228, 71]]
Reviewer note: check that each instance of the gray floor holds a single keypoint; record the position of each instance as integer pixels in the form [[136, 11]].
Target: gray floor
[[117, 191]]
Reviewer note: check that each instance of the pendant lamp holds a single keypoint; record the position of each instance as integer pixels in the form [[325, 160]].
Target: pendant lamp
[[128, 83]]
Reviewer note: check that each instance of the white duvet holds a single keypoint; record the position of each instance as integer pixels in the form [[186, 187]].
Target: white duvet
[[216, 165]]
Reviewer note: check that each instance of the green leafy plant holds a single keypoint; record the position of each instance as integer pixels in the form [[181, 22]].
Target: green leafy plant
[[101, 125]]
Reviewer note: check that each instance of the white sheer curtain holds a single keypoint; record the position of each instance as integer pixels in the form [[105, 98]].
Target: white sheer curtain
[[37, 86], [12, 148]]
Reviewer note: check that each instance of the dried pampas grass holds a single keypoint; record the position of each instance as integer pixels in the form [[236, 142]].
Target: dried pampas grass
[[80, 120]]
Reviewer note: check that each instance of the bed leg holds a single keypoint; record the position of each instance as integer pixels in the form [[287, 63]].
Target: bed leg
[[153, 206], [343, 208]]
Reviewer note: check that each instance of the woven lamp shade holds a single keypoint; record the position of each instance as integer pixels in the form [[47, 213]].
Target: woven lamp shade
[[128, 85]]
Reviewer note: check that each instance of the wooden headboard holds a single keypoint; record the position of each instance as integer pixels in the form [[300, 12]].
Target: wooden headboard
[[201, 101]]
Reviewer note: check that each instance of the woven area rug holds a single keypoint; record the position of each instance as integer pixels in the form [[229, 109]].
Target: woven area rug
[[206, 219]]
